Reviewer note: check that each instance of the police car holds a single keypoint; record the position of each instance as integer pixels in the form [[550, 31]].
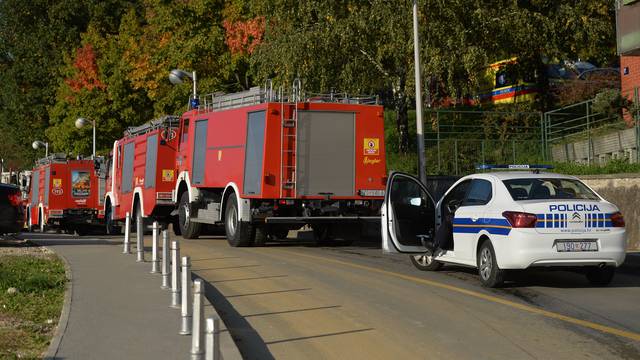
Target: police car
[[503, 220]]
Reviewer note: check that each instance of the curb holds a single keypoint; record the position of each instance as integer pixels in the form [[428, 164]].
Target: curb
[[61, 328]]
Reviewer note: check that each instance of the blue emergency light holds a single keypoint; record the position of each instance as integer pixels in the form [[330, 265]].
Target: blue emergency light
[[513, 167], [194, 102]]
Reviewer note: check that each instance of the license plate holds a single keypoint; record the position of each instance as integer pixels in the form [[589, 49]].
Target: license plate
[[576, 246]]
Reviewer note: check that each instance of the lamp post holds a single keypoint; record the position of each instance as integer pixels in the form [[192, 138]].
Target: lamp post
[[80, 123], [422, 172], [177, 76], [41, 144]]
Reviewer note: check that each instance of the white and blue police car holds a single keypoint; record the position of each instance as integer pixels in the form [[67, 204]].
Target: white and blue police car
[[502, 220]]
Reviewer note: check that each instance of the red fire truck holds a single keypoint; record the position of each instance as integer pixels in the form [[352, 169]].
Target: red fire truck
[[141, 174], [65, 194], [263, 163]]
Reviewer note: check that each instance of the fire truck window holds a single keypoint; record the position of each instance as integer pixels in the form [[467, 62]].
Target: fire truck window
[[185, 130], [80, 183]]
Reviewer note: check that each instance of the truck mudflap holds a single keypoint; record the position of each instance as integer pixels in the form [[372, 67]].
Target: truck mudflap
[[319, 219]]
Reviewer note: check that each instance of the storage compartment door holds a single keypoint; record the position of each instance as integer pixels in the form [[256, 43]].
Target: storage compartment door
[[199, 151], [47, 184], [127, 168], [254, 154], [152, 160], [325, 161], [35, 188]]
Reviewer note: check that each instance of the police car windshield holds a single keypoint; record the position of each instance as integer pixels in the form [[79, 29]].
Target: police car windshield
[[547, 189]]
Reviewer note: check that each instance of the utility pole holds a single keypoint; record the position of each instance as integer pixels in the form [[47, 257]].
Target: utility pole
[[422, 172]]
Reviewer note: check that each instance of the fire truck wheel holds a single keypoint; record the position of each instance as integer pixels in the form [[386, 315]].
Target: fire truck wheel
[[322, 234], [175, 224], [41, 224], [82, 231], [239, 233], [260, 238], [188, 229], [111, 229]]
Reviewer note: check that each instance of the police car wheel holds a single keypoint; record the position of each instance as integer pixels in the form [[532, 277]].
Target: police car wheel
[[601, 276], [490, 274], [425, 262]]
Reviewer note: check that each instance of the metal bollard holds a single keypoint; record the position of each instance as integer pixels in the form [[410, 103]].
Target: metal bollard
[[140, 239], [212, 339], [175, 275], [154, 248], [165, 260], [197, 332], [185, 328], [127, 234]]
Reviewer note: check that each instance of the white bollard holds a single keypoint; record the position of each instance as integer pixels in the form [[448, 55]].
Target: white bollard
[[212, 339], [175, 275], [140, 239], [154, 248], [127, 234], [185, 328], [165, 260], [197, 331]]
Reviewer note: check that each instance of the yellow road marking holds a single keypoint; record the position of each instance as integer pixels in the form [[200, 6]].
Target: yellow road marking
[[550, 314]]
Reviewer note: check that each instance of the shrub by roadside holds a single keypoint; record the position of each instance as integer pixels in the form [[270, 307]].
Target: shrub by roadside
[[32, 287]]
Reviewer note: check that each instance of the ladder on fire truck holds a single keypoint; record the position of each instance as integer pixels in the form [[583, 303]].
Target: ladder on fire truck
[[289, 141]]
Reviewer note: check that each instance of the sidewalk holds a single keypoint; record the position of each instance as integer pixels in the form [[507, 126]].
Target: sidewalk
[[118, 310]]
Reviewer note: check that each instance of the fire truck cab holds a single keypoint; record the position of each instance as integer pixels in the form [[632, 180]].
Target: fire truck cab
[[263, 163], [141, 174], [64, 194]]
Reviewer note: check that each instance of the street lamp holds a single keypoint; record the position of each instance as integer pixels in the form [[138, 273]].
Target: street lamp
[[40, 144], [80, 123], [177, 76], [422, 172]]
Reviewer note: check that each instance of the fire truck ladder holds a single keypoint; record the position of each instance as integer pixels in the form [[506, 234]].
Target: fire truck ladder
[[288, 141]]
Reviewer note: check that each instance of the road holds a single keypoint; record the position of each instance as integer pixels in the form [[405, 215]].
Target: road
[[293, 300]]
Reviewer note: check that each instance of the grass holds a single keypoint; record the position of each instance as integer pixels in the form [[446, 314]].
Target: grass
[[29, 316]]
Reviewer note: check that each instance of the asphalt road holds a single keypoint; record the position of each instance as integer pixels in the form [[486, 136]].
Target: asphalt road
[[293, 300]]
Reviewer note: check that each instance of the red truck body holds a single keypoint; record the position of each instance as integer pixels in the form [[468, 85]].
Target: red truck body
[[142, 173], [64, 194], [263, 167]]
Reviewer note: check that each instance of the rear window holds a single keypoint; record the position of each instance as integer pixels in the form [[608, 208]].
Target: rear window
[[543, 189]]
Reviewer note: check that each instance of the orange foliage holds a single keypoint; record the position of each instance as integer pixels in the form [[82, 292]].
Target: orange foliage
[[86, 71], [244, 36]]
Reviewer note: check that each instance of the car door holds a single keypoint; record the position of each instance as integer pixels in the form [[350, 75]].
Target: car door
[[470, 218], [408, 215]]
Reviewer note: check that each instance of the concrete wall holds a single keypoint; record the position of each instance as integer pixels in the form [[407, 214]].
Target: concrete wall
[[622, 190], [616, 145]]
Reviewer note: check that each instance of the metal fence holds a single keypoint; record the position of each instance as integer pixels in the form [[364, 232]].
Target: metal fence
[[456, 141]]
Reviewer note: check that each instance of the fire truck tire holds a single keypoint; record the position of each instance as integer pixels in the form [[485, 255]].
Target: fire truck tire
[[41, 225], [260, 238], [188, 229], [175, 224], [239, 233], [111, 228]]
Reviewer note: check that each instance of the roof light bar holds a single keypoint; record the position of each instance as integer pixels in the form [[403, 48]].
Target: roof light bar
[[513, 167]]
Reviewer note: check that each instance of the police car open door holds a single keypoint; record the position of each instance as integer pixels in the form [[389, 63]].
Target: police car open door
[[408, 215]]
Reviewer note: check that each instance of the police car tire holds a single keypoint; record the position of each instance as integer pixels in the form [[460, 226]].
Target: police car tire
[[424, 264], [192, 230], [496, 275], [601, 276], [239, 233]]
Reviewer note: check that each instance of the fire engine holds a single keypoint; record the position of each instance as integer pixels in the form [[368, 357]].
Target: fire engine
[[141, 174], [65, 194], [262, 162]]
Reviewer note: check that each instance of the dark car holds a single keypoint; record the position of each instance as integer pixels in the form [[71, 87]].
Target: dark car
[[11, 209]]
